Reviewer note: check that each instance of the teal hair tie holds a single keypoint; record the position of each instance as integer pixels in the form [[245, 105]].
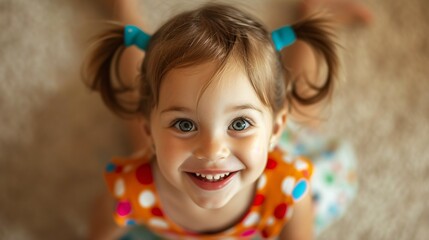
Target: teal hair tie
[[135, 36], [283, 37]]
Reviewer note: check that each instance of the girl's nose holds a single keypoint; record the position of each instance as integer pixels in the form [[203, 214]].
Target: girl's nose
[[210, 148]]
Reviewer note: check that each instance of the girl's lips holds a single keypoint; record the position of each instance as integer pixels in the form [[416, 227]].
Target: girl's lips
[[213, 181]]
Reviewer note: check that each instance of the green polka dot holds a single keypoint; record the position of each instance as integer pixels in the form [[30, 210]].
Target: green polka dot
[[285, 136], [329, 178]]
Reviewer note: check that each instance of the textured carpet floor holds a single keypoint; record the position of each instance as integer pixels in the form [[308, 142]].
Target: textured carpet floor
[[55, 135]]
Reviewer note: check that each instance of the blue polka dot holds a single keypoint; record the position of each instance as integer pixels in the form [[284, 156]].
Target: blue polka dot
[[300, 149], [110, 167], [299, 189], [130, 222], [333, 209], [328, 154]]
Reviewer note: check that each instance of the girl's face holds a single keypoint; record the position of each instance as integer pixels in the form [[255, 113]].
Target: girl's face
[[211, 146]]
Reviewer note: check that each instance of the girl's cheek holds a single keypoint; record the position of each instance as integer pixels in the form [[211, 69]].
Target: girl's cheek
[[169, 148], [253, 146]]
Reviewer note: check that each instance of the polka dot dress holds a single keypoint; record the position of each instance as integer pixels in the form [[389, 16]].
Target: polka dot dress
[[284, 182]]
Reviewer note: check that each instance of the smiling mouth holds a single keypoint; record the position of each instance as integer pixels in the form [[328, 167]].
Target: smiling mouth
[[211, 177], [211, 181]]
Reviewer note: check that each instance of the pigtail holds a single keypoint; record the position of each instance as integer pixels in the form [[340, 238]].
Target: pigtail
[[100, 71], [317, 33]]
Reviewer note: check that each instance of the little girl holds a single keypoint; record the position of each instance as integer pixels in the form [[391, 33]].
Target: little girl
[[214, 97]]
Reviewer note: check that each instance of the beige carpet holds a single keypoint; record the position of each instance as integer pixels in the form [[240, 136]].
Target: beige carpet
[[55, 135]]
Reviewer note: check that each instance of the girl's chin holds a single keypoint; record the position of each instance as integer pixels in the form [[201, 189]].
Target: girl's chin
[[211, 199], [211, 203]]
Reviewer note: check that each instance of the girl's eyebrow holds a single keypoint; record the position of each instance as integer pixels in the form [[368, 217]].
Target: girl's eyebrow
[[175, 109], [244, 107], [230, 109]]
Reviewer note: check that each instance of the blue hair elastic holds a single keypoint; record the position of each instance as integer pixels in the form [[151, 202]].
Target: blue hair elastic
[[135, 36], [283, 37]]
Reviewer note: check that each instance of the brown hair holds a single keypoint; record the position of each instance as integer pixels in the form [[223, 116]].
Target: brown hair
[[213, 32]]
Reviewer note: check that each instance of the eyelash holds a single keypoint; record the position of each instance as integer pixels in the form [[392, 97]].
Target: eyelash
[[176, 124], [246, 120]]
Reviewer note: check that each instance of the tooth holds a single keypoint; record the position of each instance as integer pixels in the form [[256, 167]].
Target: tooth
[[209, 177], [197, 174], [217, 176], [202, 175], [226, 174], [222, 175]]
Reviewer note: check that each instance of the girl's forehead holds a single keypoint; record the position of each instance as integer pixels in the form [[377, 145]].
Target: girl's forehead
[[205, 84], [207, 74]]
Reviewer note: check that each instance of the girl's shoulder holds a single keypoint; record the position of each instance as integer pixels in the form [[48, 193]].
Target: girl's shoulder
[[286, 177], [284, 182], [121, 171], [130, 181], [122, 166], [284, 164]]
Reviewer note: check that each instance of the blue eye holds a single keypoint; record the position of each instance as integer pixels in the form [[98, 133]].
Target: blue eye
[[239, 124], [184, 125]]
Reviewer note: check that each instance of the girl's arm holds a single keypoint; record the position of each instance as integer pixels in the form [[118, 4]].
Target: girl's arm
[[300, 226]]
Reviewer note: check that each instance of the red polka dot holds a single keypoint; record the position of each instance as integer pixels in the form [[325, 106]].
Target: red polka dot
[[123, 208], [305, 173], [265, 233], [280, 211], [157, 212], [144, 174], [271, 164], [118, 169], [259, 199]]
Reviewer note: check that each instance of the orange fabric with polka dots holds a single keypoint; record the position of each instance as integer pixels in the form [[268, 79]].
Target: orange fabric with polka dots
[[283, 182]]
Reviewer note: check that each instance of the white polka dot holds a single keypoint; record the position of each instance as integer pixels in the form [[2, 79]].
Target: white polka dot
[[270, 221], [287, 185], [119, 187], [128, 168], [301, 164], [158, 223], [287, 158], [251, 219], [289, 212], [146, 199], [262, 181]]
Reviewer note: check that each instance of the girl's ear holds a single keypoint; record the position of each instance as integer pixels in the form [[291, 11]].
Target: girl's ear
[[148, 144], [147, 132], [278, 127], [142, 138], [145, 127]]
